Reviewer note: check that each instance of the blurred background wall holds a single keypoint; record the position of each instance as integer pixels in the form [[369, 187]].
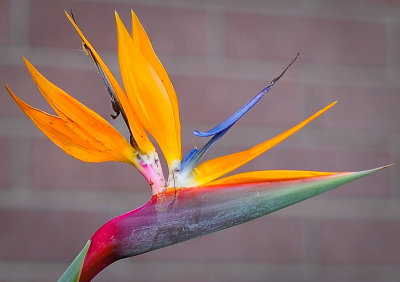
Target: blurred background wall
[[218, 54]]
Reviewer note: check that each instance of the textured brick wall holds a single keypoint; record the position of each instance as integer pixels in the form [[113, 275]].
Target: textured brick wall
[[218, 54]]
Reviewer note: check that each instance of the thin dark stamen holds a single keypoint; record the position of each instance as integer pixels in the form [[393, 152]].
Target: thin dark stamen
[[283, 72], [115, 105], [72, 15]]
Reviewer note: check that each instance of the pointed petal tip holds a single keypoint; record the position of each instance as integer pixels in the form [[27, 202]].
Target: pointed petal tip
[[31, 68], [119, 22], [70, 18], [378, 168], [8, 88], [363, 173], [26, 61], [17, 100], [332, 104], [116, 15], [135, 20]]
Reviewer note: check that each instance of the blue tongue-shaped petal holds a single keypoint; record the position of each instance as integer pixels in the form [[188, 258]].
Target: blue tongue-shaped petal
[[239, 113], [194, 156], [189, 156], [235, 117]]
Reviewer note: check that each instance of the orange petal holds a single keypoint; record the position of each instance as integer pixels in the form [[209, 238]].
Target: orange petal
[[267, 176], [139, 36], [218, 167], [74, 113], [137, 129], [86, 148], [148, 95]]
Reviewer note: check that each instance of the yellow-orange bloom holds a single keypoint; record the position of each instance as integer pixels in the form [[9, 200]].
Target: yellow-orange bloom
[[148, 105]]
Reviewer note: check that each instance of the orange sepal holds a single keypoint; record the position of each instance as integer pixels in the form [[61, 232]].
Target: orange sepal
[[82, 120], [267, 176], [85, 147], [215, 168], [139, 36], [148, 95]]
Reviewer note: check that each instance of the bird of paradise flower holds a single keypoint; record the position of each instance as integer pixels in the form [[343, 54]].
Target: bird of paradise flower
[[194, 200]]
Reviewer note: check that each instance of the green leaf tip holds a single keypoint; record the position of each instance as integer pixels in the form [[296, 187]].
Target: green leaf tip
[[73, 272]]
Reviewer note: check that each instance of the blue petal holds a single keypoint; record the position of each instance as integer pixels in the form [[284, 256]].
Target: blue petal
[[188, 157], [239, 113], [191, 160], [235, 117], [189, 163]]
